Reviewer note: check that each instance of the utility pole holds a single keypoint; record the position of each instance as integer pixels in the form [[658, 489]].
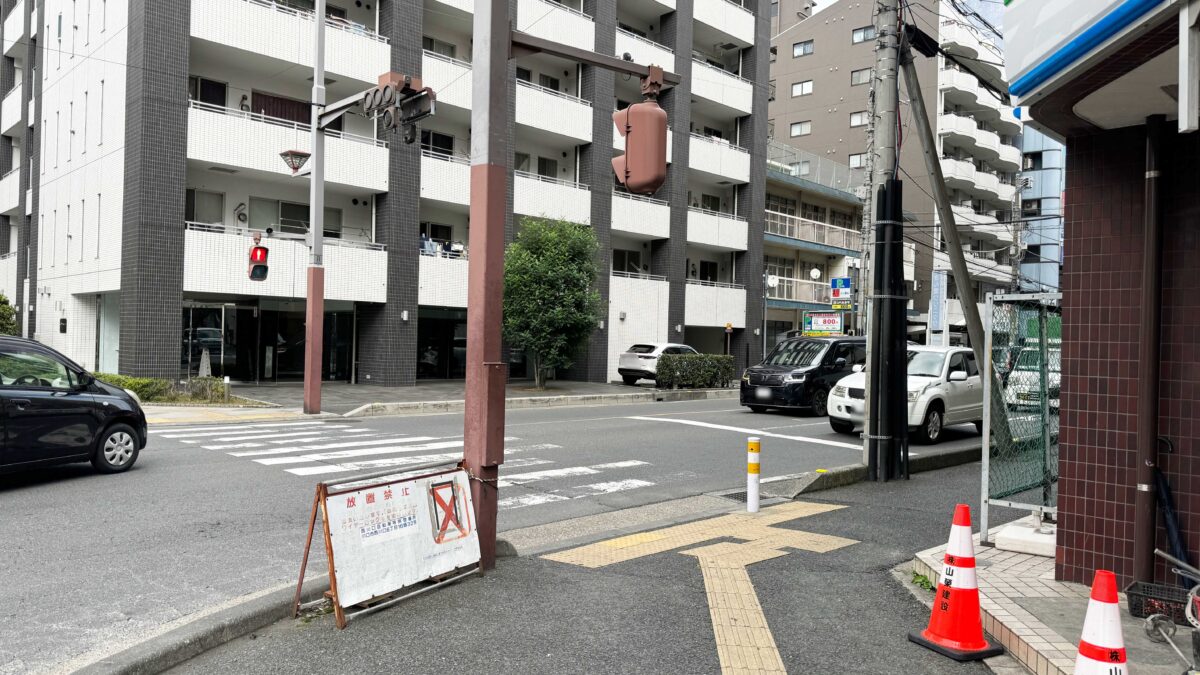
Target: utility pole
[[1017, 227], [868, 220], [886, 429], [314, 309]]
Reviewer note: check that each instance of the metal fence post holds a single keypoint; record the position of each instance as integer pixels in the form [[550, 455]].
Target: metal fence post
[[985, 449]]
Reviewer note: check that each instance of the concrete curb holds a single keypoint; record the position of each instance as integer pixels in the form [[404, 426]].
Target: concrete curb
[[646, 396], [827, 479], [168, 650]]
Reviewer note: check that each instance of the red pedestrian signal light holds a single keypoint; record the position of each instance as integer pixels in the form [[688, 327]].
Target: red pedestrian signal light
[[258, 263], [643, 167]]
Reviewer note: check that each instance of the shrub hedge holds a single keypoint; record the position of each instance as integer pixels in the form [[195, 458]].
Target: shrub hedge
[[699, 371], [147, 388], [154, 390]]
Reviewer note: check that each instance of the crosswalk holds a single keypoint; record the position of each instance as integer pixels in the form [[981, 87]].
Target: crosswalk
[[533, 474]]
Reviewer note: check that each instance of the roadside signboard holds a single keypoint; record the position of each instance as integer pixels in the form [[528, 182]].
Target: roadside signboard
[[841, 293], [937, 309], [818, 324], [387, 533]]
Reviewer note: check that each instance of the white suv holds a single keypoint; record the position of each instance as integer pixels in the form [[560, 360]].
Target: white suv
[[641, 360], [944, 388]]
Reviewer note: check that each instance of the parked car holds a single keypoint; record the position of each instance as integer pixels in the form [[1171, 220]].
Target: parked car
[[799, 372], [640, 362], [944, 388], [1023, 390], [55, 412]]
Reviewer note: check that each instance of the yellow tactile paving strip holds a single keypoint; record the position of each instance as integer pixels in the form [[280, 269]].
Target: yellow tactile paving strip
[[744, 641]]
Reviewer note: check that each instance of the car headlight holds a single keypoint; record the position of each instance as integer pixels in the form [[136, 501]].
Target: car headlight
[[914, 395], [746, 376], [133, 395], [795, 377], [839, 391]]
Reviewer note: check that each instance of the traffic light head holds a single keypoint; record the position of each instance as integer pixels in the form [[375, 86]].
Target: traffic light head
[[258, 263], [643, 167], [400, 102]]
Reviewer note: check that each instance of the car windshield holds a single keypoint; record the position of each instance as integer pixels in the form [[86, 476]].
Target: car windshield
[[641, 349], [795, 353], [925, 364], [1031, 359]]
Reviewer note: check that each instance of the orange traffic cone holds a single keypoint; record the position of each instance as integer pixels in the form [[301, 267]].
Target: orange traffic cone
[[1101, 649], [955, 628]]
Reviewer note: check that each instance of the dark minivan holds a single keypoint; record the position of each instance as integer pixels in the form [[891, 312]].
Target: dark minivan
[[799, 372], [52, 411]]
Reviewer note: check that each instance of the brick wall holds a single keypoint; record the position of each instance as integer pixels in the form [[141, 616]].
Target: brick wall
[[1101, 291]]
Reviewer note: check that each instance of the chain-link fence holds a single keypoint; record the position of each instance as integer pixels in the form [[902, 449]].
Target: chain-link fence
[[1021, 421]]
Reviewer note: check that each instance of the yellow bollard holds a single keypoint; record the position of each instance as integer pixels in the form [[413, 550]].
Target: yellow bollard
[[753, 446]]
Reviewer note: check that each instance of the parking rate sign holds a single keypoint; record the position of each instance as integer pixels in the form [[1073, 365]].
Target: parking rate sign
[[840, 293]]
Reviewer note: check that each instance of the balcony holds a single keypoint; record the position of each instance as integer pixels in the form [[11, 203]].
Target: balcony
[[987, 185], [710, 303], [1005, 192], [8, 276], [981, 224], [252, 141], [723, 231], [443, 281], [645, 52], [722, 87], [214, 261], [554, 112], [450, 78], [10, 112], [987, 144], [959, 130], [726, 17], [958, 173], [619, 142], [800, 290], [1008, 158], [262, 28], [1007, 123], [719, 158], [14, 32], [445, 178], [960, 88], [645, 217], [535, 195], [10, 193], [552, 21], [954, 312], [979, 266], [803, 229]]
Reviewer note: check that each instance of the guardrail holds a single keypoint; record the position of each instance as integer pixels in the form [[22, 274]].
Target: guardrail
[[716, 284], [332, 237], [280, 122], [330, 21], [795, 227], [6, 256], [547, 179], [639, 275]]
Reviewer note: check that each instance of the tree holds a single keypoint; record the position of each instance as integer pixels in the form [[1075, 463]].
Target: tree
[[550, 306], [8, 317]]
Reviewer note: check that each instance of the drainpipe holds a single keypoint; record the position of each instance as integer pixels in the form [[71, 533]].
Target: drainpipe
[[1144, 508]]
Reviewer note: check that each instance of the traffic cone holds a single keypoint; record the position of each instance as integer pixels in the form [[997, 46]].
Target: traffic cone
[[1101, 649], [955, 627]]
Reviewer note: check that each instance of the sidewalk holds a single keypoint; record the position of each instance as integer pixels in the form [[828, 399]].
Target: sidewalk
[[1040, 620]]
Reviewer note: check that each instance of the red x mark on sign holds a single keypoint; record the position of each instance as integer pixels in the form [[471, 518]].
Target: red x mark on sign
[[445, 501]]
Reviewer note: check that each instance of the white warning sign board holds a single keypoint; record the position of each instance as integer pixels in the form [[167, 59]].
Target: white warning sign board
[[398, 531]]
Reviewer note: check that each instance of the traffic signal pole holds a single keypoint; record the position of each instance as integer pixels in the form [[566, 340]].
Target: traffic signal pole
[[314, 309]]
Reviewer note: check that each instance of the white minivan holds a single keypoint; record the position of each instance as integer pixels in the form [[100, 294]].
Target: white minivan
[[641, 360]]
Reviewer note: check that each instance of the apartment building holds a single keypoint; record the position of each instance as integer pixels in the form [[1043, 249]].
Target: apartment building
[[823, 78], [141, 142], [1044, 174]]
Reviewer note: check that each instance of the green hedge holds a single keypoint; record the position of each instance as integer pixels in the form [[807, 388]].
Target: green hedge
[[694, 371], [147, 388], [154, 390]]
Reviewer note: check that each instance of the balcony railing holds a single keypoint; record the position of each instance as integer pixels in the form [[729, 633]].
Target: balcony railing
[[554, 92], [302, 127], [720, 142], [705, 64], [719, 214], [639, 275], [332, 237], [795, 227], [639, 38], [716, 284], [330, 21], [800, 290], [456, 159], [547, 179], [639, 198]]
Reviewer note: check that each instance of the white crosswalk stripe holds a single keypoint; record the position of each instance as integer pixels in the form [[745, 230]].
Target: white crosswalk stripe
[[194, 432]]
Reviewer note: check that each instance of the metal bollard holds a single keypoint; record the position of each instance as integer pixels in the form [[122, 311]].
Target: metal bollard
[[753, 446]]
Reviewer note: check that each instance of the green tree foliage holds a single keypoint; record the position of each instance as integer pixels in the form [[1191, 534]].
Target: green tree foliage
[[8, 317], [550, 306]]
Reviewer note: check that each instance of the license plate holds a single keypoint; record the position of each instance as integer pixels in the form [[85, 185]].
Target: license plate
[[763, 393]]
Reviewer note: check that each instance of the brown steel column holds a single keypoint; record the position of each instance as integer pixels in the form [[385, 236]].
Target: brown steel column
[[1150, 331], [483, 422]]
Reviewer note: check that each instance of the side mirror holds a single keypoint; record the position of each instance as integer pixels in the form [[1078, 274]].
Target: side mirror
[[839, 363], [958, 376], [857, 368], [86, 380]]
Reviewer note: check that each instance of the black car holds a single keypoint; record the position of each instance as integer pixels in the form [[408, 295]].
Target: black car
[[799, 372], [55, 412]]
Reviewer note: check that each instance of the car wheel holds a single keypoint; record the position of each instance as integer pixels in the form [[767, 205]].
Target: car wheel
[[930, 431], [117, 449], [630, 379], [757, 408], [841, 426], [820, 403]]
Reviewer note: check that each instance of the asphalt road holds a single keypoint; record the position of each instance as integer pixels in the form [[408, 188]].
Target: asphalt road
[[835, 612], [96, 563]]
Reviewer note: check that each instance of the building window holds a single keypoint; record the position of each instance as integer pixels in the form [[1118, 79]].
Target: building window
[[548, 82], [801, 168], [708, 270], [812, 212], [437, 46], [780, 266], [1032, 161], [627, 261], [858, 160], [802, 88], [858, 119], [858, 77], [710, 203], [774, 8], [802, 48], [770, 128], [524, 74], [1031, 207], [437, 142], [801, 128], [780, 204], [547, 168], [202, 206], [863, 34], [291, 218]]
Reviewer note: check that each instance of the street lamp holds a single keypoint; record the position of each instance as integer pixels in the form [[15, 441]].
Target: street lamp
[[771, 281]]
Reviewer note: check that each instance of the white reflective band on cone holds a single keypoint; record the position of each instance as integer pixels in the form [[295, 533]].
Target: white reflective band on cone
[[960, 543], [961, 578], [1105, 632]]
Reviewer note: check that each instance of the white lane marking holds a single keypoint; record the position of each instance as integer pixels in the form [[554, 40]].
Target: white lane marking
[[523, 478], [333, 446], [305, 438], [357, 433], [380, 463], [276, 434], [615, 417], [805, 424], [754, 432], [229, 446], [615, 486], [218, 431], [621, 465], [592, 490], [534, 499], [363, 452]]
